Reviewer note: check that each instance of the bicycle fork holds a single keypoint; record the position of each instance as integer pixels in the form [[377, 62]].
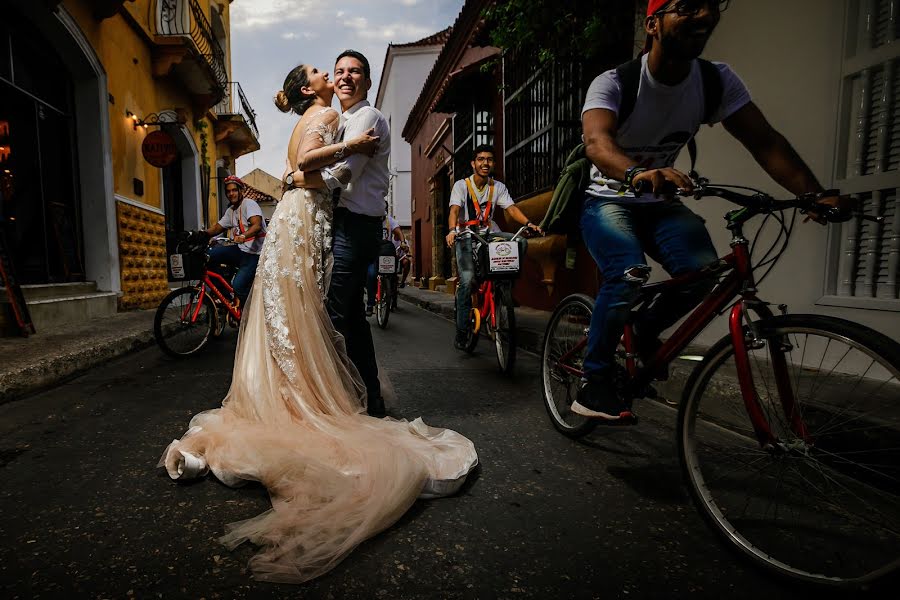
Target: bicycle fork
[[751, 399]]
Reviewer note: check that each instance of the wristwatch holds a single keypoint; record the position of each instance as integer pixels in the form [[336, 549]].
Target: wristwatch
[[289, 180], [340, 153]]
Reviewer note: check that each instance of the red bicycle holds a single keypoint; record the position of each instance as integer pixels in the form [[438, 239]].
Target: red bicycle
[[789, 427], [492, 302], [188, 317]]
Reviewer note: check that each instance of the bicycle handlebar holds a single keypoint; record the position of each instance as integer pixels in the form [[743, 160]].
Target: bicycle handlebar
[[473, 233], [759, 202]]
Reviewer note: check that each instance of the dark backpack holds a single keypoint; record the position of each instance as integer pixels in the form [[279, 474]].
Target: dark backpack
[[565, 206]]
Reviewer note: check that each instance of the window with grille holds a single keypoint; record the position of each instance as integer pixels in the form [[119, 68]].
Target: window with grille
[[865, 266]]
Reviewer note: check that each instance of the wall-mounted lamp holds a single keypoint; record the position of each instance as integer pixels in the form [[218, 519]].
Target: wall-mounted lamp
[[164, 118], [135, 121]]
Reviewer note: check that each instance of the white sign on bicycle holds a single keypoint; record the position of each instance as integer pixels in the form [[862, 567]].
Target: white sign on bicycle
[[176, 265], [387, 264], [503, 257]]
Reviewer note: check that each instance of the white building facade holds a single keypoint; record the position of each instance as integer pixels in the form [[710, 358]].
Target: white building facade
[[827, 76], [406, 66]]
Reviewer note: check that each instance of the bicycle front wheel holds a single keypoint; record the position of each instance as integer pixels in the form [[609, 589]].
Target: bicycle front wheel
[[818, 502], [562, 362], [383, 305], [178, 333], [505, 331]]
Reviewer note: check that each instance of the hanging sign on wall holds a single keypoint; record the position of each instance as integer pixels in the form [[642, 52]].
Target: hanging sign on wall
[[159, 149]]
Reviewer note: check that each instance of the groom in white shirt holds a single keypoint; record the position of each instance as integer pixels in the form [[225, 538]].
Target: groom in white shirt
[[363, 184]]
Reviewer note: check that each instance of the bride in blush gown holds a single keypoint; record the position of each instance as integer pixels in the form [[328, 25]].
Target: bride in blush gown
[[294, 418]]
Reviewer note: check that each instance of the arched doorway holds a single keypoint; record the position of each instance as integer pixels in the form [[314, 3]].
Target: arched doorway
[[40, 208]]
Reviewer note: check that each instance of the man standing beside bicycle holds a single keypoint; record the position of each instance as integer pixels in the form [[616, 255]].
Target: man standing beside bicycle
[[476, 197], [672, 89], [244, 224]]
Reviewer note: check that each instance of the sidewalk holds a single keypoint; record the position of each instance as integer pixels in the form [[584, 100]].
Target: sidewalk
[[50, 357]]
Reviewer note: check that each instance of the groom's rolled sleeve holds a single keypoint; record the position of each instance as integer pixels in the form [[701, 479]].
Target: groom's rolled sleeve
[[343, 172]]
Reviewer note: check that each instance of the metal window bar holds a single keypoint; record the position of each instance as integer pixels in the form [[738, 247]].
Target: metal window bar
[[235, 103]]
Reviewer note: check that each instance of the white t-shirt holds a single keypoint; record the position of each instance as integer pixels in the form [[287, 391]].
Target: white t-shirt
[[388, 225], [233, 221], [460, 192], [663, 119]]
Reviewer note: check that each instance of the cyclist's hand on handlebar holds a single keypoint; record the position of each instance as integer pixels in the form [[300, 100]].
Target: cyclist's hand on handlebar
[[451, 238], [533, 230], [662, 181], [834, 207]]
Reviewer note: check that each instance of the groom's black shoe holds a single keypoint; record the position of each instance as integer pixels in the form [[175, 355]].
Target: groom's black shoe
[[376, 408]]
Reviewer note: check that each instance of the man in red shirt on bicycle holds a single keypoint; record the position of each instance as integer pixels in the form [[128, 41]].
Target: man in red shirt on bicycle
[[618, 226]]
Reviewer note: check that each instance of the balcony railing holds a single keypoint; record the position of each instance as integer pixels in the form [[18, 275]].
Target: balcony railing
[[186, 18], [235, 103]]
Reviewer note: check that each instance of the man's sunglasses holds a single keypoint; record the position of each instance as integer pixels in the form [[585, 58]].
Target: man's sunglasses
[[689, 8]]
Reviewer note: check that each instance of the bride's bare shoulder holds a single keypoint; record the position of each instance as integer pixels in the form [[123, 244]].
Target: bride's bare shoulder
[[327, 116]]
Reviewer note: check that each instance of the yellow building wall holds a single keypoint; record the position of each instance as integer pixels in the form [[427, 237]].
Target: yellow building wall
[[124, 47]]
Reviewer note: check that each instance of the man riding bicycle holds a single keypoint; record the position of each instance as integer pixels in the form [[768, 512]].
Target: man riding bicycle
[[244, 225], [673, 98], [476, 197], [390, 231]]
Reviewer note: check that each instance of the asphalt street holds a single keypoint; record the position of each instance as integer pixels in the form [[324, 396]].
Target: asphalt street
[[84, 512]]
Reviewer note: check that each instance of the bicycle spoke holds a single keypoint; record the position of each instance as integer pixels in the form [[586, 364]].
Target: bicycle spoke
[[819, 505]]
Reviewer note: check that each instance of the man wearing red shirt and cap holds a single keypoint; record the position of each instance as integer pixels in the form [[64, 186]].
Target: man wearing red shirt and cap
[[617, 225]]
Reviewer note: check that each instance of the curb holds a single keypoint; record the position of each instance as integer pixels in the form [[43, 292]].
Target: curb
[[54, 370]]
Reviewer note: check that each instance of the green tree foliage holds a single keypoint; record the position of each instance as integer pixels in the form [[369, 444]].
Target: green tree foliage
[[558, 29]]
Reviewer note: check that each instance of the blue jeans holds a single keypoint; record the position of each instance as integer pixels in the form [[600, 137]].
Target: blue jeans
[[245, 263], [617, 235], [465, 269], [356, 241], [371, 285]]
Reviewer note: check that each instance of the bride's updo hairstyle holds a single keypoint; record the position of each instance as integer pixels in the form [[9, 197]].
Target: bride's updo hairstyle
[[291, 98]]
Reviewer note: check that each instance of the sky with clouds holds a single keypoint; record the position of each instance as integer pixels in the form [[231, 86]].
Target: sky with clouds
[[271, 37]]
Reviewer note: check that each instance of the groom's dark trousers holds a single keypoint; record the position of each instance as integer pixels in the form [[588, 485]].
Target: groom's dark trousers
[[356, 241]]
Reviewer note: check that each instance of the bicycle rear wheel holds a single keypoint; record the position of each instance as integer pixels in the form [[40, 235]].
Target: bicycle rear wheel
[[819, 506], [383, 304], [505, 331], [567, 329], [176, 330]]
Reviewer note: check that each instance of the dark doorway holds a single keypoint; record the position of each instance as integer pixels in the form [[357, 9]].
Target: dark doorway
[[417, 245], [39, 203], [173, 202], [440, 221]]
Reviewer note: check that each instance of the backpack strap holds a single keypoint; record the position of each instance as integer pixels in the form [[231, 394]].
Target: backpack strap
[[713, 90], [629, 75]]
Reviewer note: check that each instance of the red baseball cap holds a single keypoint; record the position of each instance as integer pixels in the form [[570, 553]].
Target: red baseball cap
[[234, 179], [655, 5]]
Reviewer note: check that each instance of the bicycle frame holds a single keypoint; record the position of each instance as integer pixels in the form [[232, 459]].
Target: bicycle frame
[[206, 287], [485, 293], [738, 282]]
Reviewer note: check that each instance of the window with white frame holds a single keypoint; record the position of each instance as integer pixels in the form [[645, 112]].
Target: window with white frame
[[865, 266]]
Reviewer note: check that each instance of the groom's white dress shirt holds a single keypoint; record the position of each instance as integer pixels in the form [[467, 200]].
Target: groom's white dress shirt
[[363, 180]]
